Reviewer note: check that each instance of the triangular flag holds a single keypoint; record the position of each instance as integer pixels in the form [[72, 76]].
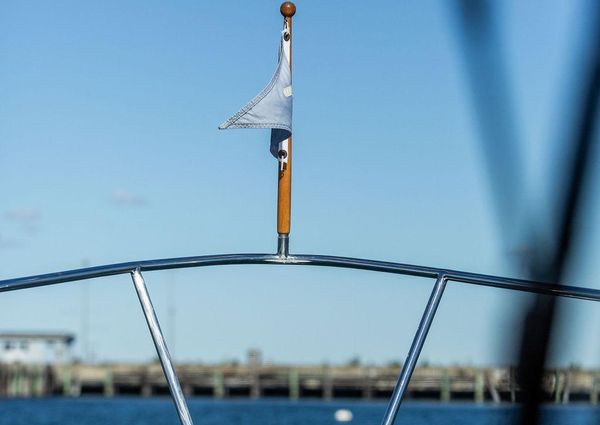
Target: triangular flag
[[272, 108]]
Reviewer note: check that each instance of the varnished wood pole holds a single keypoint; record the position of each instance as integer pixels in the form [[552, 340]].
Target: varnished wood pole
[[284, 189]]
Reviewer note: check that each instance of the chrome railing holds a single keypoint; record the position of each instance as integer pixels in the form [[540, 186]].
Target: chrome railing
[[441, 276]]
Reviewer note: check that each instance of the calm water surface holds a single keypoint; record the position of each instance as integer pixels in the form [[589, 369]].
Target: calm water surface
[[160, 411]]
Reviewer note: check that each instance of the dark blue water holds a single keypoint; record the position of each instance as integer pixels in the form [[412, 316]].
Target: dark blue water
[[160, 411]]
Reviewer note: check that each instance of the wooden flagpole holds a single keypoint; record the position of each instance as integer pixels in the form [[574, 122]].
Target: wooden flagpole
[[284, 189]]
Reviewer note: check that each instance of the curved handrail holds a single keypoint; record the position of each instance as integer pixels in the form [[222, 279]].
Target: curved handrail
[[302, 259], [441, 275]]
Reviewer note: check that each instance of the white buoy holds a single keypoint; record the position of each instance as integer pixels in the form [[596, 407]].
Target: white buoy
[[343, 415]]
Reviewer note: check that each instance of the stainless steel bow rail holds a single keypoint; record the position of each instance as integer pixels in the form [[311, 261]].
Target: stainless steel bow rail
[[441, 276]]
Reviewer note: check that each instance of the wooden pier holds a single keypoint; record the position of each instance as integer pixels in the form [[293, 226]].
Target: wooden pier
[[445, 384]]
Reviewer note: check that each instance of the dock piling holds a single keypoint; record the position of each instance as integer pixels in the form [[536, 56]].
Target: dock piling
[[445, 394], [479, 386], [218, 384], [294, 384]]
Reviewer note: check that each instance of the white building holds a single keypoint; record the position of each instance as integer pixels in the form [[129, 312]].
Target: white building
[[35, 348]]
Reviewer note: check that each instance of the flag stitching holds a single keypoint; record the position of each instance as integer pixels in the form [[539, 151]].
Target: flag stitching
[[231, 121]]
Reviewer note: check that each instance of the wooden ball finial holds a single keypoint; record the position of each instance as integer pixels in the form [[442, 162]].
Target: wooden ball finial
[[287, 9]]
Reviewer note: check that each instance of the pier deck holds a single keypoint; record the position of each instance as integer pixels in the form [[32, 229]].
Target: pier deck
[[327, 382]]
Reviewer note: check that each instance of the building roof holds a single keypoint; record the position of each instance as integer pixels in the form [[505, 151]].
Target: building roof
[[64, 337]]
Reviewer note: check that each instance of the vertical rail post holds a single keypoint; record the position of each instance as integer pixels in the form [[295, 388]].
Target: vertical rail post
[[415, 350], [284, 173], [161, 348]]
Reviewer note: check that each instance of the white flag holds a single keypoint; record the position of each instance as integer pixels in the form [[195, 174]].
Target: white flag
[[272, 108]]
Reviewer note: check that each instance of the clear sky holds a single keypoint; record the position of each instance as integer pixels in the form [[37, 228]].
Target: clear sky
[[109, 151]]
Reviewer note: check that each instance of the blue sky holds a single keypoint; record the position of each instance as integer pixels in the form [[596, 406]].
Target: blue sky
[[109, 151]]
